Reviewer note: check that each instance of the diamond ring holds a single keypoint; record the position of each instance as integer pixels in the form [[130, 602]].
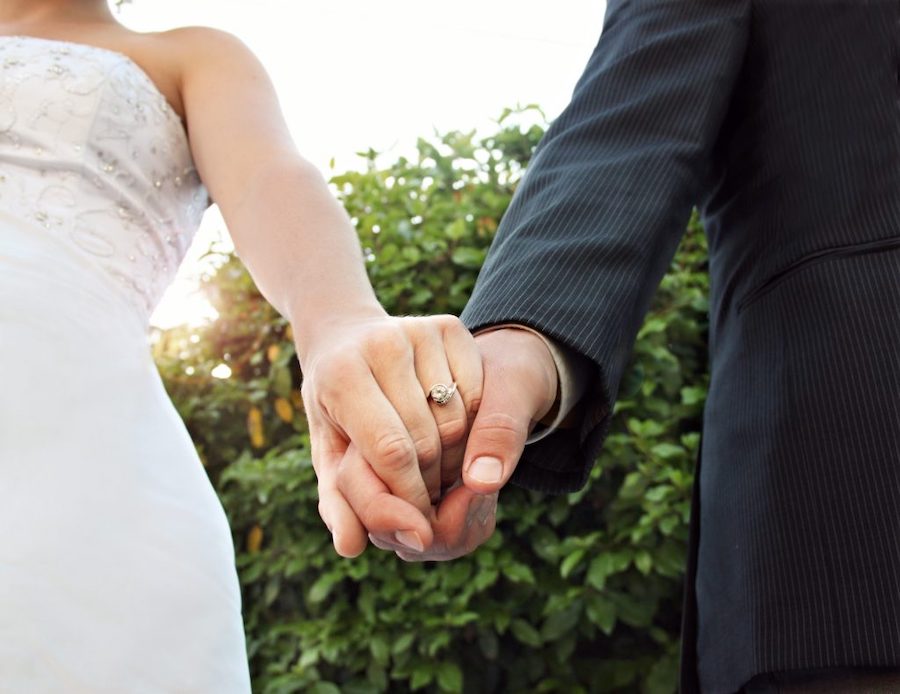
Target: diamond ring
[[441, 393]]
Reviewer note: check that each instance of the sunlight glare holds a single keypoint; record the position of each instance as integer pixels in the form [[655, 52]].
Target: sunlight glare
[[222, 371]]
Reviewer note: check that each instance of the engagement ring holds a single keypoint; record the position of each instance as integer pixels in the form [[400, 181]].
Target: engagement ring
[[441, 393]]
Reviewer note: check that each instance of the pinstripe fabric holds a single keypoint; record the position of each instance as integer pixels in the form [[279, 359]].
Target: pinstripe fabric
[[781, 120]]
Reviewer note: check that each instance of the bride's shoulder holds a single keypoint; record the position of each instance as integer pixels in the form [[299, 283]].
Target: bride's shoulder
[[197, 45], [198, 56], [202, 54], [200, 36]]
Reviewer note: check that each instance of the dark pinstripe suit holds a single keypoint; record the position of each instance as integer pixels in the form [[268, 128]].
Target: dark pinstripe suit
[[781, 119]]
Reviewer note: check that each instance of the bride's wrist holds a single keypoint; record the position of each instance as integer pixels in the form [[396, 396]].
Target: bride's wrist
[[315, 332]]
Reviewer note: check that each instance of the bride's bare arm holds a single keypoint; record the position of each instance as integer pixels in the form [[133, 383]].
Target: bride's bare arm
[[287, 227], [365, 374]]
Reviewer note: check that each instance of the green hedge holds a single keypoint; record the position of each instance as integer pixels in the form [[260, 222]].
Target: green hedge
[[577, 593]]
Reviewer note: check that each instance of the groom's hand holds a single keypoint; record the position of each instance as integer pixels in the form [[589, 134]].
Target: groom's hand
[[520, 388]]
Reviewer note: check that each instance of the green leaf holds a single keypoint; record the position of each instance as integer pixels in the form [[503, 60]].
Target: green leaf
[[421, 677], [380, 650], [468, 257], [559, 624], [525, 633], [450, 677], [602, 612], [667, 450], [462, 618], [322, 587], [634, 611], [658, 493], [488, 577], [652, 325], [668, 524], [663, 676], [643, 561], [324, 688], [571, 562], [309, 657], [456, 230], [693, 395], [519, 573], [605, 565], [402, 644], [281, 381]]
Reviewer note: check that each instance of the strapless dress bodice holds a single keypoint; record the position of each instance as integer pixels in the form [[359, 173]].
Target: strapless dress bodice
[[95, 169], [121, 576]]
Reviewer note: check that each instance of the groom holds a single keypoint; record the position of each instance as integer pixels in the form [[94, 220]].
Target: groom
[[781, 121]]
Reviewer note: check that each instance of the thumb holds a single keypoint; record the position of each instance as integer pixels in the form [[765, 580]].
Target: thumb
[[519, 388]]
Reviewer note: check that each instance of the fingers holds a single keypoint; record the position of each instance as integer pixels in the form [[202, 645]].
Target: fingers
[[379, 511], [450, 418], [372, 391], [446, 354], [394, 361], [356, 402], [464, 521], [519, 388], [347, 533], [465, 362]]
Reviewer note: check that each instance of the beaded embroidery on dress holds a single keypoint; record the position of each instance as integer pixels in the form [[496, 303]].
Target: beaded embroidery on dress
[[117, 568], [115, 178]]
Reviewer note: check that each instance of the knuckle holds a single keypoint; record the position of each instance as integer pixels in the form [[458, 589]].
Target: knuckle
[[328, 382], [428, 451], [394, 451], [344, 480], [449, 323], [453, 431], [501, 426], [387, 343]]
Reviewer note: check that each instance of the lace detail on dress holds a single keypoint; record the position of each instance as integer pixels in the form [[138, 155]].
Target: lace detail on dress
[[92, 154]]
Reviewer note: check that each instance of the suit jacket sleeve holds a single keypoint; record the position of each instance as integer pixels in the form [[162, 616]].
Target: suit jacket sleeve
[[597, 218]]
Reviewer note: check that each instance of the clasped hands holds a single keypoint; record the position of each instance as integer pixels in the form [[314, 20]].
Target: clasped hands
[[394, 467]]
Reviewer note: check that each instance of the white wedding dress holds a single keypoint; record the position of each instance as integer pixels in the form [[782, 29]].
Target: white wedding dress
[[116, 561]]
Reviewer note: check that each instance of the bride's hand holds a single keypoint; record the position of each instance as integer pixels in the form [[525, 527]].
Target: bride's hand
[[366, 381]]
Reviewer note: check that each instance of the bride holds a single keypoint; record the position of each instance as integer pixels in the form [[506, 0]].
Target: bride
[[116, 565]]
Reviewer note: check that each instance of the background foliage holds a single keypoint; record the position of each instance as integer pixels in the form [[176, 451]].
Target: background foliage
[[577, 593]]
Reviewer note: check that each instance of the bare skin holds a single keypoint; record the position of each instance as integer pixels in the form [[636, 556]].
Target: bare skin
[[91, 22], [365, 373]]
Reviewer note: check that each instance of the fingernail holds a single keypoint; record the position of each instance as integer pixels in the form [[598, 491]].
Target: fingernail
[[487, 470], [410, 539], [487, 511], [476, 508]]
